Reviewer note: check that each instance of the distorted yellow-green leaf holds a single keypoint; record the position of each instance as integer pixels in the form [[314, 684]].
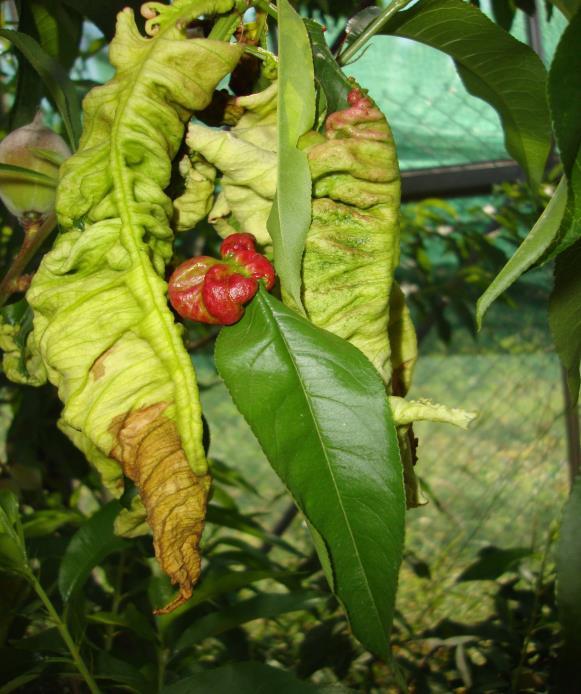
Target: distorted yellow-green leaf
[[101, 322]]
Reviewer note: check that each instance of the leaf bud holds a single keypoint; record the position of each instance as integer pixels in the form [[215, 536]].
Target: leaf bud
[[39, 149]]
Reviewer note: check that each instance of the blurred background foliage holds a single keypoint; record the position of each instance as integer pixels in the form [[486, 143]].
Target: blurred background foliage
[[476, 609]]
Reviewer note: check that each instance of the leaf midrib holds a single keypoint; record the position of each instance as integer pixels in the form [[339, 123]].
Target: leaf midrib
[[121, 184], [270, 316]]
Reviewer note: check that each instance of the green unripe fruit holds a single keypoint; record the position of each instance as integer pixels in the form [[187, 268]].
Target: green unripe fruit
[[39, 149]]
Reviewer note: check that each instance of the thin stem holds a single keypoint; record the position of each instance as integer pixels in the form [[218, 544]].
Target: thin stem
[[372, 28], [117, 597], [539, 585], [268, 7], [65, 634], [225, 27], [34, 237], [259, 53]]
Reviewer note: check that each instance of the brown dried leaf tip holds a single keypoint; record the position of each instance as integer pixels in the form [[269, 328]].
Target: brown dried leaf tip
[[150, 452]]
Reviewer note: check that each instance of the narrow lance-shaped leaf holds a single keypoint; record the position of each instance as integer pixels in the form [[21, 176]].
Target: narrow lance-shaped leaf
[[319, 411], [332, 80], [493, 66], [291, 213], [538, 240], [242, 678], [12, 549], [94, 541], [564, 90], [569, 572], [21, 173], [565, 314], [57, 81], [101, 322]]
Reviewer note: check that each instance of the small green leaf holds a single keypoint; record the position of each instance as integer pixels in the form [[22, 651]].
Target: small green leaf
[[569, 573], [564, 90], [538, 240], [110, 668], [492, 562], [567, 7], [242, 678], [23, 174], [46, 522], [94, 541], [290, 216], [102, 13], [213, 586], [494, 66], [331, 78], [262, 606], [565, 314], [55, 158], [56, 79], [319, 411], [12, 548], [228, 518]]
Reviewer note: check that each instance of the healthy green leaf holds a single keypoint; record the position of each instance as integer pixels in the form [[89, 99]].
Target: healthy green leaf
[[262, 606], [56, 79], [47, 521], [538, 240], [492, 562], [29, 89], [227, 518], [59, 29], [102, 13], [94, 541], [107, 667], [331, 79], [290, 216], [567, 7], [493, 66], [102, 325], [216, 585], [569, 572], [564, 90], [242, 678], [12, 548], [319, 411], [565, 314], [22, 174]]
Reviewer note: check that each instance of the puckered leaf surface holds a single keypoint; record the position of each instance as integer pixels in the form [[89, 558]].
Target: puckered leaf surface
[[352, 247], [101, 321]]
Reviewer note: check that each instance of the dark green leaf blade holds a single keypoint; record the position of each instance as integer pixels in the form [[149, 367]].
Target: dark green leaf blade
[[565, 314], [538, 240], [493, 66], [56, 79], [262, 606], [319, 411], [290, 216], [569, 573], [21, 173], [103, 13], [492, 562], [242, 678], [94, 541], [12, 549], [565, 102], [331, 78]]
